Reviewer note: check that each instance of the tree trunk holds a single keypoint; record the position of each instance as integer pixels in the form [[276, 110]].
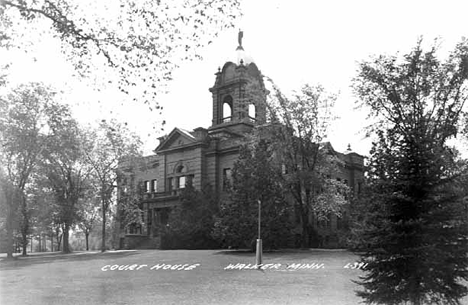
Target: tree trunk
[[40, 243], [24, 225], [305, 226], [65, 235], [24, 239], [87, 235], [103, 244], [52, 242], [9, 230], [305, 231], [58, 237]]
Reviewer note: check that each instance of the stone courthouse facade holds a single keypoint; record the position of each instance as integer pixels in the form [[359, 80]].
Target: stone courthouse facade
[[207, 155]]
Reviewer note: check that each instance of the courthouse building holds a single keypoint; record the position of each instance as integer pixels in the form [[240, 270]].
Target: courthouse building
[[207, 155]]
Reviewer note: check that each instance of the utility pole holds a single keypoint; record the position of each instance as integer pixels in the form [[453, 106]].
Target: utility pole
[[258, 253]]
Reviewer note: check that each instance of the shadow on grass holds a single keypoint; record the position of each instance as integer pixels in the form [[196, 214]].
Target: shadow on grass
[[289, 253], [25, 261]]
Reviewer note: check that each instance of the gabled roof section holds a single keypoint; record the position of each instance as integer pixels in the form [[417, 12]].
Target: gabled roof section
[[177, 138]]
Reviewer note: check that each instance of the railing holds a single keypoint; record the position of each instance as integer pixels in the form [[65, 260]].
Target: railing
[[174, 192]]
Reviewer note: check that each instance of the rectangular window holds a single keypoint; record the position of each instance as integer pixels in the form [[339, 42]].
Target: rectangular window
[[227, 175], [150, 217], [147, 187], [284, 170], [169, 184], [182, 182], [134, 229], [154, 185]]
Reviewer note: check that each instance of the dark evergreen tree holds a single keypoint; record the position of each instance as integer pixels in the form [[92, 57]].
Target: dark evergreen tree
[[414, 231], [255, 178]]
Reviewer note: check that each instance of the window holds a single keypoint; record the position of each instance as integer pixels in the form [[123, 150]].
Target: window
[[339, 222], [134, 228], [227, 109], [182, 182], [147, 187], [170, 185], [252, 112], [227, 175], [150, 217], [154, 185]]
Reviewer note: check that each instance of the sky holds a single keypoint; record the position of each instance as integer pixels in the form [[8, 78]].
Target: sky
[[293, 42]]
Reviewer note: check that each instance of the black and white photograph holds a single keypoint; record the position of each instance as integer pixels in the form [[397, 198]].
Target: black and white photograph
[[233, 152]]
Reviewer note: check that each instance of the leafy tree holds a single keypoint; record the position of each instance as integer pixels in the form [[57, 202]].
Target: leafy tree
[[88, 215], [141, 41], [414, 237], [108, 145], [66, 169], [25, 114], [255, 177], [9, 204], [190, 223], [299, 128], [131, 193]]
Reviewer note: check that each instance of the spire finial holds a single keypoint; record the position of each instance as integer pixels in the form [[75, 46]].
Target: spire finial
[[239, 39]]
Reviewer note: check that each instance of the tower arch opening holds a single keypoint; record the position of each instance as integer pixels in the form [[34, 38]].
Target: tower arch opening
[[252, 111], [227, 109]]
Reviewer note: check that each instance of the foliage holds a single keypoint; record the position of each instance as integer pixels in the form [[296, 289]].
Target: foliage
[[255, 177], [106, 146], [25, 116], [190, 223], [142, 41], [66, 169], [413, 234], [300, 126]]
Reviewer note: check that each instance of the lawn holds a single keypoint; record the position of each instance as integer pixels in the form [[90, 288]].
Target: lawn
[[180, 277]]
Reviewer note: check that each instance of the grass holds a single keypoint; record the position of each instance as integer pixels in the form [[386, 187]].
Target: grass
[[79, 279]]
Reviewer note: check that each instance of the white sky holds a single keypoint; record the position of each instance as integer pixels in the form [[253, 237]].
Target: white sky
[[293, 42]]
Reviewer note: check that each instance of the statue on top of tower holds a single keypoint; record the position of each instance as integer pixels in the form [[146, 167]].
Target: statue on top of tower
[[239, 39]]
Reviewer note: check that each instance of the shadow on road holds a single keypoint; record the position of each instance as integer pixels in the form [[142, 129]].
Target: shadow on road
[[45, 258]]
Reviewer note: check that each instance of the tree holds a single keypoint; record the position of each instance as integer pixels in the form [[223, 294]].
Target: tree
[[299, 127], [25, 114], [255, 177], [414, 237], [9, 203], [108, 145], [88, 215], [142, 41], [66, 169], [190, 223]]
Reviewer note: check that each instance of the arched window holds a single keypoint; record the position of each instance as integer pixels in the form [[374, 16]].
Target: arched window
[[227, 109], [252, 112], [180, 179]]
